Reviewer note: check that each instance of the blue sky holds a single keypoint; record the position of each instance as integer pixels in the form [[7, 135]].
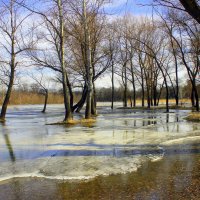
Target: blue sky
[[120, 7]]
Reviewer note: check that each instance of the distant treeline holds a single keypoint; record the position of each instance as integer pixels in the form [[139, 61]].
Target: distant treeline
[[104, 94]]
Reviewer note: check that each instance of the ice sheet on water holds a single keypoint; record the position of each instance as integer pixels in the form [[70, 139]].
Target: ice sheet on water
[[119, 142]]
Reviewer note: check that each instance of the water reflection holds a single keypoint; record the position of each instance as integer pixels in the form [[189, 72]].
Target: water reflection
[[135, 124], [9, 147], [6, 142], [167, 118], [122, 140]]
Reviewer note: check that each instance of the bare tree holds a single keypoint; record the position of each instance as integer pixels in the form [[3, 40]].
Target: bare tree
[[55, 21], [43, 84], [192, 7], [14, 43], [185, 35]]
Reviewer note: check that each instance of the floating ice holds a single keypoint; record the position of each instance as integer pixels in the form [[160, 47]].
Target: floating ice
[[119, 142]]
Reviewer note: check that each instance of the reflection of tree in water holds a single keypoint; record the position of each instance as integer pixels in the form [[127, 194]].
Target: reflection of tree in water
[[9, 146]]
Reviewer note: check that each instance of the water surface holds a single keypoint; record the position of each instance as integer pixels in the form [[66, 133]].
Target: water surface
[[120, 141]]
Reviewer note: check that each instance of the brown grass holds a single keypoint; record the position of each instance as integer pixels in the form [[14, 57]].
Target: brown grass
[[18, 98], [24, 98], [84, 122], [163, 101], [194, 116]]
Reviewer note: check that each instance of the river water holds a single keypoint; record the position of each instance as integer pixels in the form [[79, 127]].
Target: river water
[[119, 142]]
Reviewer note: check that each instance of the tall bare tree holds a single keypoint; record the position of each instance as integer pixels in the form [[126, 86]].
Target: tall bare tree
[[14, 42], [55, 24]]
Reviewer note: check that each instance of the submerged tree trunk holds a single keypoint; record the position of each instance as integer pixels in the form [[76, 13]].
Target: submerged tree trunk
[[113, 86], [177, 87], [155, 95], [167, 97], [196, 96], [125, 86], [192, 98], [133, 84], [68, 113], [94, 101], [89, 69], [159, 95], [142, 85], [80, 104], [45, 101], [146, 75], [71, 93]]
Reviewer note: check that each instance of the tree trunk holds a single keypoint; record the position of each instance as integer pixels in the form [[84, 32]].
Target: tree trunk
[[68, 113], [196, 96], [177, 87], [12, 70], [45, 101], [94, 102], [89, 69], [8, 94], [192, 7], [131, 102], [113, 86], [160, 93], [125, 86], [133, 84], [192, 98], [142, 93], [155, 95], [166, 85], [167, 96], [71, 93], [81, 102], [142, 85]]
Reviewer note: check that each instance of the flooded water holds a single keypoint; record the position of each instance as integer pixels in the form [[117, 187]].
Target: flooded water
[[119, 142]]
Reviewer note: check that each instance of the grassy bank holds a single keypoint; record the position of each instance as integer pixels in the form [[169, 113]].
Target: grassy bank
[[194, 117]]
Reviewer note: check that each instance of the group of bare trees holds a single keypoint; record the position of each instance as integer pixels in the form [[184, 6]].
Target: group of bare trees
[[152, 54], [79, 44]]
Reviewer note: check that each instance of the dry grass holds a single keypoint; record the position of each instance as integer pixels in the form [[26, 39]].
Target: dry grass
[[194, 116], [24, 98], [92, 120], [163, 101], [2, 120], [84, 122], [173, 101], [68, 122]]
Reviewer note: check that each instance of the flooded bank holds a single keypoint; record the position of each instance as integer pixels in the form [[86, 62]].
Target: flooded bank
[[117, 146]]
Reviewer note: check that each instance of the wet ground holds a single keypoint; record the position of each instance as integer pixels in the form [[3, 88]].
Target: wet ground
[[125, 154]]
